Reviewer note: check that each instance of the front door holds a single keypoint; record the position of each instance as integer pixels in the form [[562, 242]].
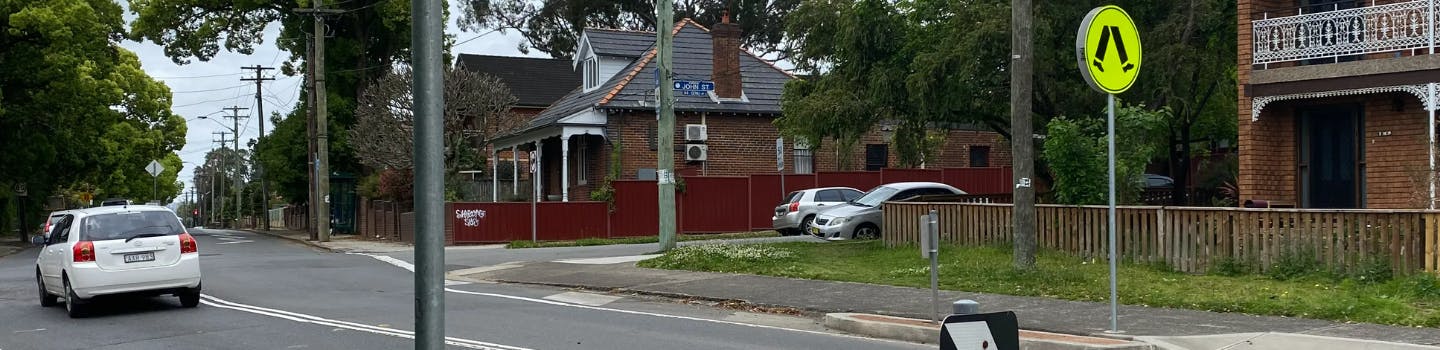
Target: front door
[[1330, 157]]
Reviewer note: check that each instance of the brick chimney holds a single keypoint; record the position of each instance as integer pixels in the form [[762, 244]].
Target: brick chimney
[[725, 65]]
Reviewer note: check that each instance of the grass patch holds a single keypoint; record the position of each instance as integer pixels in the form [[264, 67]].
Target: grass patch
[[1232, 287], [637, 240]]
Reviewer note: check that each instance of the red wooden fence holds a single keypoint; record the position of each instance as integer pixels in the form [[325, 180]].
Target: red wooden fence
[[637, 209], [715, 204], [708, 205], [861, 180], [910, 175]]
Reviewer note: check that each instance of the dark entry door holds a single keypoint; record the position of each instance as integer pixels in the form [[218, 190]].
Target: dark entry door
[[1330, 154]]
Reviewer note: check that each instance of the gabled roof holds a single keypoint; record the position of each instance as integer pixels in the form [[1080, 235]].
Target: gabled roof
[[535, 82], [619, 43], [633, 88]]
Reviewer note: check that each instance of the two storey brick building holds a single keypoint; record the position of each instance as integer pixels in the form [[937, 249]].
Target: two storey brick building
[[1337, 102]]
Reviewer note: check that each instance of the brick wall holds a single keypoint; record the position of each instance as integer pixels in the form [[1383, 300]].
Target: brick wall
[[744, 145], [954, 153], [1395, 152]]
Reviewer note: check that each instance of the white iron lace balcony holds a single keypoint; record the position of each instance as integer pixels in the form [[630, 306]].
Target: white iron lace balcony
[[1363, 30]]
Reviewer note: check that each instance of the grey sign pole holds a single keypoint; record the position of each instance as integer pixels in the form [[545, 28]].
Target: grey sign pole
[[934, 233], [1114, 299], [426, 41]]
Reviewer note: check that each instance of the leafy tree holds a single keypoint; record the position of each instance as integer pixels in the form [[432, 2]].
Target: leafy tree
[[363, 43], [477, 107], [1077, 149], [554, 27], [77, 108]]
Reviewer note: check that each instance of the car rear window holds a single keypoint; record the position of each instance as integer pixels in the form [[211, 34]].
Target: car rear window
[[126, 225], [792, 197]]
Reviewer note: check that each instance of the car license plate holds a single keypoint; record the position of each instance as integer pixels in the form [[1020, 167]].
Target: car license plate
[[815, 230], [130, 258]]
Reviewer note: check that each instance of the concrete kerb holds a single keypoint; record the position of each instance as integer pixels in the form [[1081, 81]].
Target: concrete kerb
[[733, 302], [923, 331], [296, 239]]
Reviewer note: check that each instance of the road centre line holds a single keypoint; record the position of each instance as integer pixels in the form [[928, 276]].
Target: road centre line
[[298, 317]]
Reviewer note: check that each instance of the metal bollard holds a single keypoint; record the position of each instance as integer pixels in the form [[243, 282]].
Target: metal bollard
[[965, 307]]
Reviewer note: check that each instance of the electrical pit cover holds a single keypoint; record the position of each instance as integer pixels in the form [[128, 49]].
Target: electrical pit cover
[[1107, 48]]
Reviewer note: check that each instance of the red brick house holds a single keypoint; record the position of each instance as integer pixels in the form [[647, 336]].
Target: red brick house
[[536, 83], [1336, 102], [728, 131]]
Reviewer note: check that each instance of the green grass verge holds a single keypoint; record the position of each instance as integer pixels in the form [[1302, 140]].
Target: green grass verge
[[636, 240], [1408, 301]]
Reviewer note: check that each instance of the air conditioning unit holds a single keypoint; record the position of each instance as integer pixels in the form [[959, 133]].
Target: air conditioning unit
[[695, 132], [697, 152]]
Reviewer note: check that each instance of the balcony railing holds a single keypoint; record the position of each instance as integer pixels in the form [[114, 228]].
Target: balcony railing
[[1355, 31]]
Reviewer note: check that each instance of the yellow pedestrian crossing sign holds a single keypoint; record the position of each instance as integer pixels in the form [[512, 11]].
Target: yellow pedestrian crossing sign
[[1108, 49]]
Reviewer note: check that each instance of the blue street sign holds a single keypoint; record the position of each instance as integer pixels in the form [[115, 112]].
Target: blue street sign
[[694, 85]]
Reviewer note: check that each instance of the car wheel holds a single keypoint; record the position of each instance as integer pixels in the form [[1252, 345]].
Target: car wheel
[[867, 231], [73, 306], [46, 299], [190, 298], [806, 223]]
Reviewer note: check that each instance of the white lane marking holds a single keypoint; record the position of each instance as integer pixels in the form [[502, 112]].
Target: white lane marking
[[497, 267], [31, 330], [609, 260], [591, 299], [303, 318], [408, 266], [233, 242]]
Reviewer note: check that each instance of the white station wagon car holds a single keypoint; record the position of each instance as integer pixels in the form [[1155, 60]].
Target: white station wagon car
[[133, 249]]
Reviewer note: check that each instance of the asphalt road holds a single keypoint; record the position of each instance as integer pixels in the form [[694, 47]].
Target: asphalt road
[[267, 293]]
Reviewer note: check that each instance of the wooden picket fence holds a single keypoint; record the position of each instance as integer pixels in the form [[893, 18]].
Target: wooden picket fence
[[1192, 239]]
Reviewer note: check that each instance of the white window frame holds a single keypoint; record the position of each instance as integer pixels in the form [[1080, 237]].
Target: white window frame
[[591, 73]]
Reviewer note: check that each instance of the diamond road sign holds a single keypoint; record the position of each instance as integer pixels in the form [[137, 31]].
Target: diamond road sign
[[154, 168]]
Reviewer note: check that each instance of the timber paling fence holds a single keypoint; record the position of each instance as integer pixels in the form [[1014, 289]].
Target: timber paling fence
[[1193, 239]]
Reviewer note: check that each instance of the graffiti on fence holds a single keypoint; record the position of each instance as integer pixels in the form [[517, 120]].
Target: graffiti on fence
[[471, 216]]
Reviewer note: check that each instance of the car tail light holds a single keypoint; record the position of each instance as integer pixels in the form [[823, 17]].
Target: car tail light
[[187, 244], [794, 207], [84, 251], [47, 228]]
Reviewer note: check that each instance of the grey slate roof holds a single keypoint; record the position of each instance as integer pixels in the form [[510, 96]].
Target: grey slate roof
[[535, 82], [619, 43], [761, 82]]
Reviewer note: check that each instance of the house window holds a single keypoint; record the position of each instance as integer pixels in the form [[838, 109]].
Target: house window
[[592, 73], [804, 162], [877, 156], [979, 156]]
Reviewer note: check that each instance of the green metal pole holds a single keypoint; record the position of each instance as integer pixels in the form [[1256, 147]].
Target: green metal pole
[[666, 157]]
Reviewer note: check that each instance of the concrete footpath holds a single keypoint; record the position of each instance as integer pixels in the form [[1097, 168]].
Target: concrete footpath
[[902, 313]]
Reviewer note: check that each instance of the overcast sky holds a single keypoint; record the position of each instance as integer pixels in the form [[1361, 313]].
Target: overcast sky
[[204, 88]]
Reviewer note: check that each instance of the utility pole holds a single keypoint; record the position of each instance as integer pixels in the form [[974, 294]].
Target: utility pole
[[218, 198], [1022, 139], [259, 80], [235, 118], [426, 42], [665, 172], [310, 137], [321, 198]]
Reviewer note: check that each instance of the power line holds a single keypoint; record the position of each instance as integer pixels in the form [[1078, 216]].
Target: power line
[[197, 76], [207, 90]]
